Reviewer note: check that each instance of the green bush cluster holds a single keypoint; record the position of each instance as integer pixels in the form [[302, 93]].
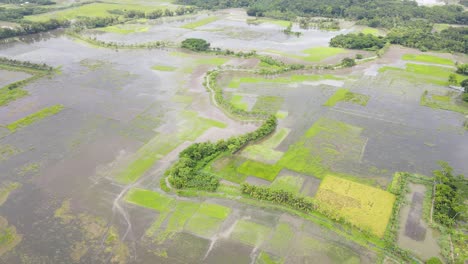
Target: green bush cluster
[[135, 14], [450, 195], [278, 196], [186, 173], [196, 44]]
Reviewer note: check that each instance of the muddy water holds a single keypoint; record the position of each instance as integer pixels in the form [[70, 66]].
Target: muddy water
[[414, 233], [231, 31]]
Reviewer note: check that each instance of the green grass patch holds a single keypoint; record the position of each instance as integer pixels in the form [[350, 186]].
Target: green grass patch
[[281, 239], [237, 102], [33, 118], [424, 73], [369, 30], [201, 22], [440, 27], [321, 53], [259, 170], [428, 59], [344, 95], [236, 82], [292, 184], [163, 68], [250, 233], [125, 29], [149, 199]]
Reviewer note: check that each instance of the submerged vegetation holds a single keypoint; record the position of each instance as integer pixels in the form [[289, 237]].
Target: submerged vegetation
[[14, 91]]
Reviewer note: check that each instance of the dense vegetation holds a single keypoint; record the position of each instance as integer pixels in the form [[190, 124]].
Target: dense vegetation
[[358, 41], [277, 196], [382, 13], [186, 172], [419, 36], [196, 44], [450, 195]]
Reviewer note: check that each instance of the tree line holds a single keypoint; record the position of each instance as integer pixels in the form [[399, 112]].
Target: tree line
[[186, 172], [421, 37], [383, 13]]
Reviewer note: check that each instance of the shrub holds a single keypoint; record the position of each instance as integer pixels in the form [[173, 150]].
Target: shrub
[[434, 260], [348, 62]]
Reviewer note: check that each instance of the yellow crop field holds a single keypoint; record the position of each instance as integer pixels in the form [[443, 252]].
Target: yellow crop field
[[363, 206]]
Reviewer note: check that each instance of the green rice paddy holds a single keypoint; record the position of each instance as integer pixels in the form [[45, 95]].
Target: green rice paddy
[[344, 95], [163, 68], [90, 10], [236, 82], [288, 183], [424, 73], [445, 102], [33, 118], [281, 240], [149, 199], [428, 59], [265, 151], [369, 30], [237, 102], [250, 233], [125, 29], [207, 220], [321, 53], [200, 23], [190, 128], [268, 104], [260, 170]]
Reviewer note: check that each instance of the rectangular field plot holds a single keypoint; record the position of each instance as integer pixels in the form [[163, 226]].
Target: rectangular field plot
[[325, 144], [207, 220], [149, 199], [250, 233], [366, 207], [265, 151], [446, 101]]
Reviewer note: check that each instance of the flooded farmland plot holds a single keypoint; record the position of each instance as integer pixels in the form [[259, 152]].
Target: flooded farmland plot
[[85, 149]]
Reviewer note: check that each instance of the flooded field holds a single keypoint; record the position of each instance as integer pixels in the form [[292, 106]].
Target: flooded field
[[82, 184]]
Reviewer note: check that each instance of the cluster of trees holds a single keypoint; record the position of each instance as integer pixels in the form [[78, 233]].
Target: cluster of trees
[[196, 44], [37, 2], [27, 28], [288, 31], [451, 192], [461, 69], [117, 45], [375, 13], [358, 41], [154, 14], [278, 196], [419, 36], [25, 64], [319, 23], [186, 172]]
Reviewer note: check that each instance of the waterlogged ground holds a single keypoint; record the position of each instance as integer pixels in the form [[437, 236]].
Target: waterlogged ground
[[81, 185]]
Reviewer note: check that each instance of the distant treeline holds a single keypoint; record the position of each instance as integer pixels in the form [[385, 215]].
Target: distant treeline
[[37, 2], [115, 17], [377, 13], [451, 39]]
